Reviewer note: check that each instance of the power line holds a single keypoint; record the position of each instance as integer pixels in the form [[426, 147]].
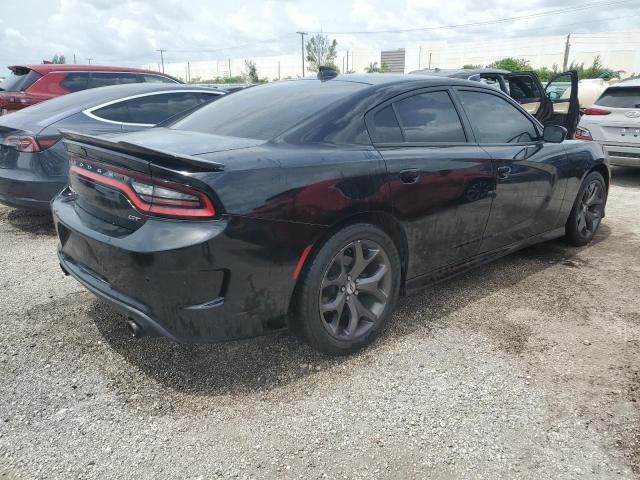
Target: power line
[[478, 24]]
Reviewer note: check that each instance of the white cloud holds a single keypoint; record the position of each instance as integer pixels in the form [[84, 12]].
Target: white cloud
[[128, 32]]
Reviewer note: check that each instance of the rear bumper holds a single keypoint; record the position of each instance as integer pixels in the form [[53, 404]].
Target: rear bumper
[[625, 155], [25, 189], [191, 281]]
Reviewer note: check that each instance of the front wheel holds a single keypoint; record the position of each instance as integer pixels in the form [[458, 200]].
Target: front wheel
[[349, 290], [588, 210]]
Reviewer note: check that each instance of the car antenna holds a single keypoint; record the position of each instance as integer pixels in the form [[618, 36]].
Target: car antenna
[[326, 73]]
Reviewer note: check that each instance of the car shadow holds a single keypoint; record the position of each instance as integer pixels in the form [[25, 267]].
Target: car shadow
[[625, 177], [34, 222], [264, 363]]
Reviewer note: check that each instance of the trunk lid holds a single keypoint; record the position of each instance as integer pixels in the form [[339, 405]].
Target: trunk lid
[[113, 177]]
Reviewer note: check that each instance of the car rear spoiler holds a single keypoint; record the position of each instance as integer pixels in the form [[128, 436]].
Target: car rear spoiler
[[161, 157]]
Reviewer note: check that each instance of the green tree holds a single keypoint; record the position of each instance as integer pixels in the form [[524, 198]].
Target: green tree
[[470, 66], [58, 59], [373, 68], [321, 52], [595, 70], [511, 64], [251, 73]]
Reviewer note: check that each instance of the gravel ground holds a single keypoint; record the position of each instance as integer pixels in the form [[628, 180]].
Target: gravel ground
[[526, 368]]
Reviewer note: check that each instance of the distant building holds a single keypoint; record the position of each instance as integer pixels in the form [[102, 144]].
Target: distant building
[[394, 59]]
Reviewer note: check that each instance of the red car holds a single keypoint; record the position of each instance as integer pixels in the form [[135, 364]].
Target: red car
[[30, 84]]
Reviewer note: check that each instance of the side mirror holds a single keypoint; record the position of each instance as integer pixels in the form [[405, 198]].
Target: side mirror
[[554, 134]]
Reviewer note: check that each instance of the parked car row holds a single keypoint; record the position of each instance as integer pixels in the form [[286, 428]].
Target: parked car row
[[308, 204]]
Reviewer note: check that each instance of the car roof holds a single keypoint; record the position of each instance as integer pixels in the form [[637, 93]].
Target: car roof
[[634, 82], [43, 68], [388, 79], [458, 72], [64, 106]]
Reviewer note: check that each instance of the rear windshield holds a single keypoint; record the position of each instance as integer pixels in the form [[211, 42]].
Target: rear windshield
[[620, 97], [19, 80], [266, 111]]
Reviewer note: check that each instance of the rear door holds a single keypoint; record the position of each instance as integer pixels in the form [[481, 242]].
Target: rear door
[[562, 90], [439, 181], [529, 193]]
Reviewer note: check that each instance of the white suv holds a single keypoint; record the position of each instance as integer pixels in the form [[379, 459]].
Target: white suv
[[614, 121]]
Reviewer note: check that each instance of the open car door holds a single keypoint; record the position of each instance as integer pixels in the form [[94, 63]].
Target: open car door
[[562, 90], [526, 89]]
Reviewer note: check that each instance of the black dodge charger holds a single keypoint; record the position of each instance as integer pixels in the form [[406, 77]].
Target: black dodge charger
[[313, 204]]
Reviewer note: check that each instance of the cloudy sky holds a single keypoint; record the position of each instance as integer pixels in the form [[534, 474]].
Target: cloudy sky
[[127, 32]]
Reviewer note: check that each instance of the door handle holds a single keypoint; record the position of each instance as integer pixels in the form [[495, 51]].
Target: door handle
[[410, 175], [504, 172]]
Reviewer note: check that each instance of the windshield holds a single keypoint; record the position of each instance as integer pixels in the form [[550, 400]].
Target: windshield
[[19, 80], [266, 111], [620, 97]]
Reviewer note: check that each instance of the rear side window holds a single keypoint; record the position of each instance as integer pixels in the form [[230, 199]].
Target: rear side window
[[620, 97], [103, 79], [152, 109], [126, 78], [430, 117], [19, 80], [156, 79], [75, 81], [522, 87], [385, 126], [495, 120]]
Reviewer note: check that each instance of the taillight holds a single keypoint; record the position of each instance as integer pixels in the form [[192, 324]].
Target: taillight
[[596, 111], [24, 100], [582, 134], [30, 144], [149, 195]]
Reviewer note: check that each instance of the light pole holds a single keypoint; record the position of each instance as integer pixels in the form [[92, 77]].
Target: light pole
[[302, 34], [161, 50]]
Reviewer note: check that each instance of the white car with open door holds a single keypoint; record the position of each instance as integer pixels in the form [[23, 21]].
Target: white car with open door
[[556, 103], [614, 121]]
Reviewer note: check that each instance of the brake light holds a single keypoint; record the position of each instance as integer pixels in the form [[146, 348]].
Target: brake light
[[146, 194], [582, 134], [30, 144], [596, 111]]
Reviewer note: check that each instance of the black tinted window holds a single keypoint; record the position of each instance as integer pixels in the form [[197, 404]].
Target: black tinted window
[[265, 111], [99, 79], [430, 117], [385, 128], [152, 109], [75, 81], [620, 97], [19, 80], [495, 120], [522, 87], [125, 78]]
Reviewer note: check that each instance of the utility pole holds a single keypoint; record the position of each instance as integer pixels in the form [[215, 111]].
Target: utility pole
[[430, 60], [161, 50], [89, 60], [302, 34], [566, 54], [347, 71], [419, 57], [74, 59]]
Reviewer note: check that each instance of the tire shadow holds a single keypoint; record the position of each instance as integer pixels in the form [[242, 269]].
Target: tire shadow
[[264, 363], [625, 177]]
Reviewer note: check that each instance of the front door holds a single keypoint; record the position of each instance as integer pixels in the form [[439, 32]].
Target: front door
[[439, 181], [528, 193], [562, 90]]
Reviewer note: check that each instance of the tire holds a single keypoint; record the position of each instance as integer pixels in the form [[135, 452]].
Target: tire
[[336, 312], [588, 210]]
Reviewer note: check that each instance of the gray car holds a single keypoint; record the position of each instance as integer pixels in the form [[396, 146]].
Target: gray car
[[33, 161]]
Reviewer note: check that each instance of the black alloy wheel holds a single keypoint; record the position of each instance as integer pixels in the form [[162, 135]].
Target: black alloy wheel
[[588, 210]]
